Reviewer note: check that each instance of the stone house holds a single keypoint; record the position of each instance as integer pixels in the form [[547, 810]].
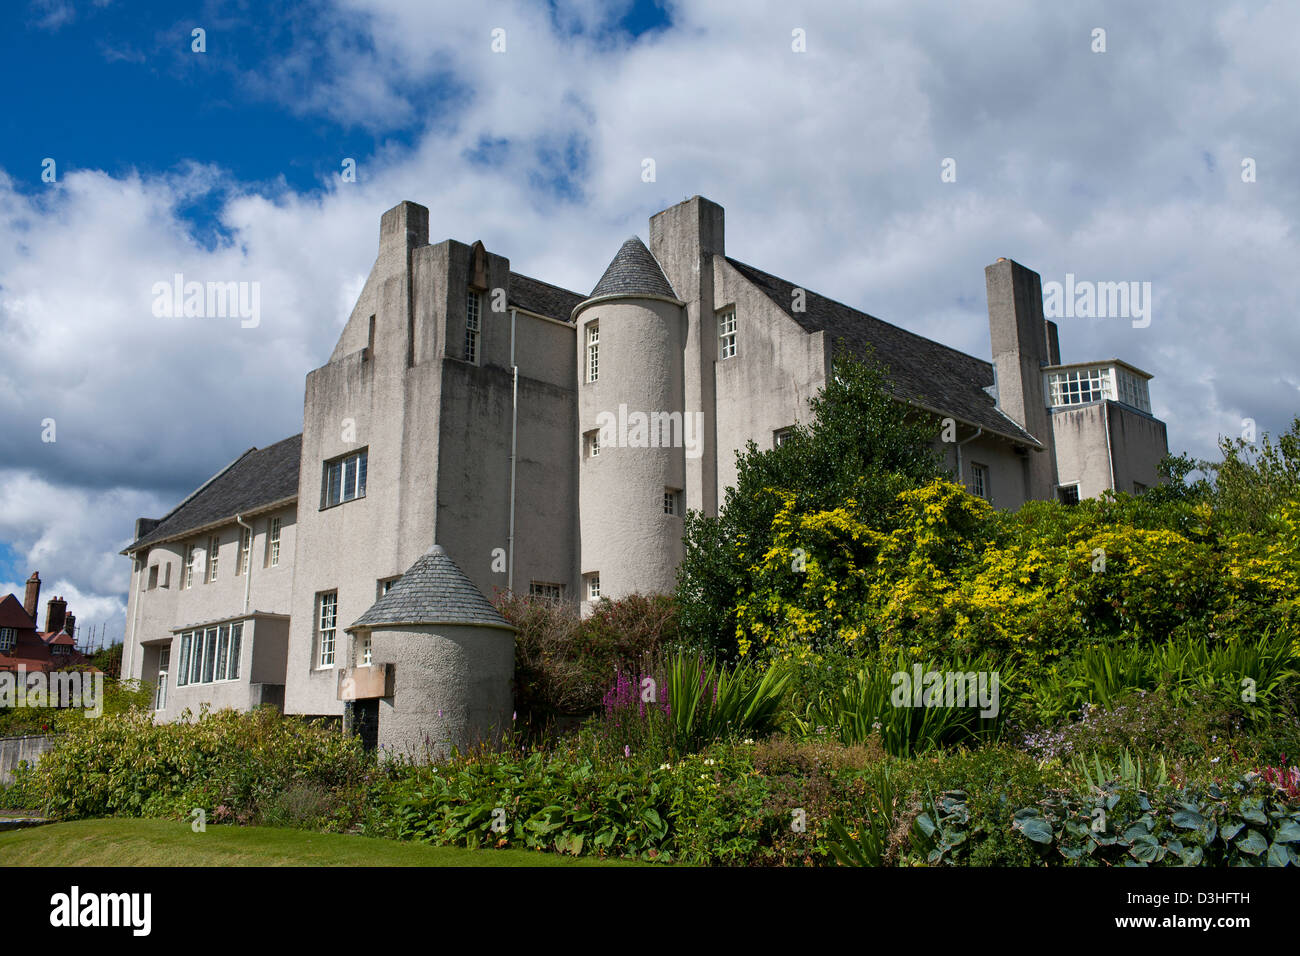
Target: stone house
[[551, 442]]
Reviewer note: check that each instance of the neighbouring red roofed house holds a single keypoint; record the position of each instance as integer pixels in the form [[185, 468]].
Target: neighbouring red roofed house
[[23, 646]]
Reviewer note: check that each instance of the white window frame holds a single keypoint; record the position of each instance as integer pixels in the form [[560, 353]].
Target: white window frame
[[673, 502], [367, 650], [327, 621], [473, 325], [352, 471], [593, 351], [274, 542], [727, 334], [1078, 495], [214, 551], [781, 436], [164, 666], [245, 550], [592, 443], [593, 586], [189, 566], [979, 480]]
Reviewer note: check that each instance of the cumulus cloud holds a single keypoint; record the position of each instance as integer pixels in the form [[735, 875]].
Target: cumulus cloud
[[1123, 165]]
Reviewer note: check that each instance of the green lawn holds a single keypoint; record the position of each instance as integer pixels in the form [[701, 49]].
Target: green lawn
[[131, 842]]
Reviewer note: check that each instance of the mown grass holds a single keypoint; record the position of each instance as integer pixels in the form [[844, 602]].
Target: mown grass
[[133, 842]]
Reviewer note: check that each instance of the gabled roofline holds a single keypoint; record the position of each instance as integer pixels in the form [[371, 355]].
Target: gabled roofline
[[209, 526]]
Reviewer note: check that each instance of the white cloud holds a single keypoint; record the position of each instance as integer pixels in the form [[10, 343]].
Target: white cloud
[[827, 163]]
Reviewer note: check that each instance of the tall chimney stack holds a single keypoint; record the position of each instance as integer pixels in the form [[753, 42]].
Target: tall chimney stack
[[55, 609], [32, 600], [70, 625]]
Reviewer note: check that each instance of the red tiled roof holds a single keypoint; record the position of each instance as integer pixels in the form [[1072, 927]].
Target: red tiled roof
[[13, 614]]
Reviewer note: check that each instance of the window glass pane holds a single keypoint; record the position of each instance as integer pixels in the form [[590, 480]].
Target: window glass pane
[[183, 672], [196, 659], [209, 654], [361, 475], [236, 638], [223, 649], [349, 478]]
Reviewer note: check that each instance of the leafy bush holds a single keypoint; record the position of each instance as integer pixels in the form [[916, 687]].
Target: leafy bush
[[563, 664], [232, 765]]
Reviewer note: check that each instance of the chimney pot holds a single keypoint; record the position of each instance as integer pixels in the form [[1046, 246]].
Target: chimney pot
[[55, 609], [32, 599]]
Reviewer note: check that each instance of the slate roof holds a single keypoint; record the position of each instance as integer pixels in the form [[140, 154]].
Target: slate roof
[[534, 295], [920, 370], [258, 477], [433, 591], [633, 271]]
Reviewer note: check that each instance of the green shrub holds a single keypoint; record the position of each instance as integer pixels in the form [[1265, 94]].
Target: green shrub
[[231, 765]]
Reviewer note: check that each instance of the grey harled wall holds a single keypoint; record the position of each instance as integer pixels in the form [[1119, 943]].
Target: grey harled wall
[[626, 536], [1019, 337], [452, 686], [685, 238]]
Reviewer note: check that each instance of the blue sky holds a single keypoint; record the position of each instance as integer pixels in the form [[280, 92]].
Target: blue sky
[[1114, 165]]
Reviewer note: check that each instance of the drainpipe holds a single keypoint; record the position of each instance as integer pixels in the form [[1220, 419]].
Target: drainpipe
[[514, 434], [960, 477], [1110, 458], [135, 618], [248, 568]]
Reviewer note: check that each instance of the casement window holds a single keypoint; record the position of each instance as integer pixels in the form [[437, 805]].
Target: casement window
[[591, 441], [546, 590], [274, 543], [245, 549], [190, 558], [593, 587], [1068, 494], [384, 585], [8, 638], [160, 694], [367, 651], [209, 655], [473, 325], [781, 436], [326, 627], [1079, 386], [1139, 488], [672, 502], [727, 334], [979, 480], [593, 351], [153, 577], [344, 479], [214, 545], [60, 650]]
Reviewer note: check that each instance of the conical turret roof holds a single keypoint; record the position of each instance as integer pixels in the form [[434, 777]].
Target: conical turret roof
[[633, 271], [433, 591]]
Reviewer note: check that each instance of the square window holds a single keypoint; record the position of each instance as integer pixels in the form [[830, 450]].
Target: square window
[[1068, 494], [672, 502], [344, 479], [727, 334], [781, 436]]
